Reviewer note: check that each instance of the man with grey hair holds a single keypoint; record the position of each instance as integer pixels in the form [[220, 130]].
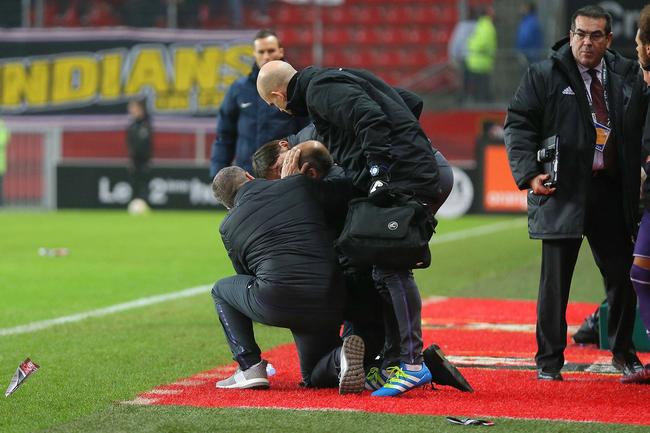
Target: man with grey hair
[[278, 238], [227, 182]]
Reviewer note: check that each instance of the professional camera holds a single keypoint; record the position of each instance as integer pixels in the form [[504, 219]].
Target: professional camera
[[548, 156]]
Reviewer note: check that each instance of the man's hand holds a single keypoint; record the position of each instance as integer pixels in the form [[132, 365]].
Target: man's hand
[[537, 185], [290, 163]]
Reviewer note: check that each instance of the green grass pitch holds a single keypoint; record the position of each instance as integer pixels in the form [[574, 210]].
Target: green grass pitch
[[89, 367]]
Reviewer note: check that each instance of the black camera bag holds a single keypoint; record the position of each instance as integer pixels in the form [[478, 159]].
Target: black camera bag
[[393, 232]]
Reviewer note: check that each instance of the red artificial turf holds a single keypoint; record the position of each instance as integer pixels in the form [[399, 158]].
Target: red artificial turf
[[498, 392]]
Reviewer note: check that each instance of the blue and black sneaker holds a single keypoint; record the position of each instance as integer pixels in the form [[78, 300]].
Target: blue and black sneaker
[[377, 377], [404, 380]]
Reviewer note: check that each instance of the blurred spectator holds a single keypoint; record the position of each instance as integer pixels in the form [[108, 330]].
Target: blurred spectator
[[457, 47], [530, 37], [139, 135], [4, 140], [481, 52]]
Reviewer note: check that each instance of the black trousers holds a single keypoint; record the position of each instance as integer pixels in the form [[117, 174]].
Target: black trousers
[[612, 248], [139, 171], [315, 333], [404, 326], [364, 312]]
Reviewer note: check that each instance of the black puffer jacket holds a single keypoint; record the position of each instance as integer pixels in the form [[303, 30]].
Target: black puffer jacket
[[552, 100], [278, 231], [413, 101], [364, 120]]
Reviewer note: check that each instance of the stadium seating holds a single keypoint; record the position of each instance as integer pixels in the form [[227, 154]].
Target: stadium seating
[[394, 38]]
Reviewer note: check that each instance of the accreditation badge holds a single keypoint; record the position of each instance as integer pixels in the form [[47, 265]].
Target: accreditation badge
[[602, 134]]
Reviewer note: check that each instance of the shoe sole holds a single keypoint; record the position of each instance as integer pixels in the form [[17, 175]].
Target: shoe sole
[[353, 378], [442, 371]]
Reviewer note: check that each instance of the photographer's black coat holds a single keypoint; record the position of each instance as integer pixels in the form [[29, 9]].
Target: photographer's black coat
[[552, 100]]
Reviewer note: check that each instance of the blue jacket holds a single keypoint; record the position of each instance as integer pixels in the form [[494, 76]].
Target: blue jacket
[[530, 38], [245, 122]]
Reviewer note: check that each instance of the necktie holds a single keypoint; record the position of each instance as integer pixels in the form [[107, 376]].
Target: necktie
[[602, 116], [598, 98]]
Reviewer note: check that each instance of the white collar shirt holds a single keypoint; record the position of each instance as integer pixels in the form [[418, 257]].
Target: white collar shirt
[[586, 78]]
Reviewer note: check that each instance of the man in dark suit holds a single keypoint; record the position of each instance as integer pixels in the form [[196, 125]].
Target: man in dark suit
[[591, 102]]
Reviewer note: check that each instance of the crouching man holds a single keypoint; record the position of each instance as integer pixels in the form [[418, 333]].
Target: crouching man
[[277, 237]]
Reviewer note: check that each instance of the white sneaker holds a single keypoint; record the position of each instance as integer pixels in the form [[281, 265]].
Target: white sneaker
[[352, 378], [254, 377]]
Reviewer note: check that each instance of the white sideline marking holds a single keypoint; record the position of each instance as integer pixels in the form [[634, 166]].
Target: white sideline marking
[[164, 391], [137, 303], [433, 300], [143, 302], [141, 401], [478, 231], [189, 382], [487, 326]]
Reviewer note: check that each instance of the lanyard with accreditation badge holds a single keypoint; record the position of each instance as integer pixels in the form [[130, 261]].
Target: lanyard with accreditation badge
[[602, 131]]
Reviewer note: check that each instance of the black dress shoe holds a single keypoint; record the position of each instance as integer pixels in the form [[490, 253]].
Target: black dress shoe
[[548, 375], [628, 366], [442, 371], [588, 331]]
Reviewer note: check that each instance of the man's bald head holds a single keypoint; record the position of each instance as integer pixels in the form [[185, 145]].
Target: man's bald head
[[272, 83], [315, 154]]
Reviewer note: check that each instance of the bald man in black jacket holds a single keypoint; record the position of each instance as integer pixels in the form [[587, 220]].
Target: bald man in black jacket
[[279, 241]]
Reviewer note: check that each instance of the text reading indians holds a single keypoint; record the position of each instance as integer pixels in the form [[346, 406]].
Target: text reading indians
[[178, 78]]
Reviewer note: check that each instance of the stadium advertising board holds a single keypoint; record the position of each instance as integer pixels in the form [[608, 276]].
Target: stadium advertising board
[[625, 14], [84, 71], [500, 193], [108, 186]]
